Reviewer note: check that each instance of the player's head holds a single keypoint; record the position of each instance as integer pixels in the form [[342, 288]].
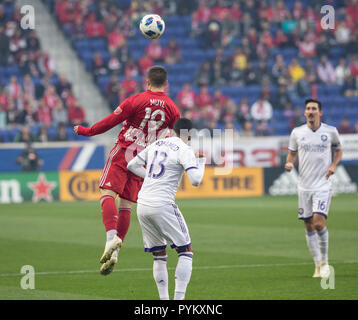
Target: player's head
[[156, 77], [182, 128], [313, 110]]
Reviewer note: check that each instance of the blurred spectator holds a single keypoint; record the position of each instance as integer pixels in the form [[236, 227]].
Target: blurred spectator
[[298, 119], [342, 71], [172, 53], [281, 39], [212, 34], [51, 97], [132, 69], [98, 65], [295, 70], [322, 45], [307, 48], [14, 90], [247, 130], [279, 71], [344, 127], [281, 99], [114, 65], [27, 115], [261, 110], [11, 114], [76, 115], [29, 159], [25, 135], [250, 75], [63, 86], [186, 97], [46, 64], [130, 85], [203, 76], [243, 111], [94, 28], [350, 86], [112, 90], [43, 135], [145, 62], [61, 134], [342, 33], [204, 99], [59, 114], [263, 74], [3, 121], [155, 51], [325, 71], [262, 129], [43, 114], [28, 86], [116, 39], [353, 67]]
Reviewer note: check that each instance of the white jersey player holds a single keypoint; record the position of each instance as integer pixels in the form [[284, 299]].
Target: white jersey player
[[314, 142], [160, 218]]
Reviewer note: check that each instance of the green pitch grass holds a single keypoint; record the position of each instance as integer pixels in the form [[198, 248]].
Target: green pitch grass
[[246, 248]]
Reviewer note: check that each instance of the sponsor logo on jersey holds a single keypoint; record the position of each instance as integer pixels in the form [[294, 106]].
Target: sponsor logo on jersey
[[117, 111]]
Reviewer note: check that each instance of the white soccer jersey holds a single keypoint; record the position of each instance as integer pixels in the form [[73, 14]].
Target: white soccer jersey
[[314, 154], [166, 160]]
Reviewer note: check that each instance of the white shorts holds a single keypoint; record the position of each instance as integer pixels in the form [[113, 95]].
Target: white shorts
[[313, 202], [162, 224]]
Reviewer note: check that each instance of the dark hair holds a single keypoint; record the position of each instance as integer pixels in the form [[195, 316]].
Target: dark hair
[[315, 101], [183, 126], [157, 76]]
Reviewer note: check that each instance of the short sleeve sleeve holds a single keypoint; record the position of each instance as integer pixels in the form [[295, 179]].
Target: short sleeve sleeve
[[187, 159], [336, 143], [292, 145]]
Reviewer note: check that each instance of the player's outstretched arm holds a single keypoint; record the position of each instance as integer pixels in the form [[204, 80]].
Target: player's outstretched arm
[[100, 127], [196, 174], [136, 165], [290, 160]]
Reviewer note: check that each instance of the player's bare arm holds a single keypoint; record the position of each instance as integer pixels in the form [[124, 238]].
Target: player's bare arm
[[290, 160], [337, 156]]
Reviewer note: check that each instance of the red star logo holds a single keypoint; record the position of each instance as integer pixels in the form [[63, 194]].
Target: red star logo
[[41, 188]]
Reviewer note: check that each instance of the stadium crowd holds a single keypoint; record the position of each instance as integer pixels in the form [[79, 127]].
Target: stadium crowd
[[277, 48], [36, 104]]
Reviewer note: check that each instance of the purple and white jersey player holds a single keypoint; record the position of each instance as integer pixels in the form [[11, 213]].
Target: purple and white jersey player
[[162, 165]]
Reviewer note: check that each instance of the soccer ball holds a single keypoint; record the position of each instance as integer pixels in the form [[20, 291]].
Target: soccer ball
[[152, 26]]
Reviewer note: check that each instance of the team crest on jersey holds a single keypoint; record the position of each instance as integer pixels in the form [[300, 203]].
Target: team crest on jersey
[[118, 111], [324, 137]]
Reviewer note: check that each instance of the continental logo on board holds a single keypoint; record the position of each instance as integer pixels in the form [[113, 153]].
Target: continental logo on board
[[240, 182], [82, 185]]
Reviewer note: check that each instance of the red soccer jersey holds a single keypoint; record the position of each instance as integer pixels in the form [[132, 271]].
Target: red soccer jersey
[[153, 109]]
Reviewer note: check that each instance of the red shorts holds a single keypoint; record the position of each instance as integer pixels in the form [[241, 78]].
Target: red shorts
[[117, 177]]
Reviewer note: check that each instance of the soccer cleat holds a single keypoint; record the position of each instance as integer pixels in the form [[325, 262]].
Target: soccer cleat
[[111, 246], [324, 270], [108, 266], [316, 272]]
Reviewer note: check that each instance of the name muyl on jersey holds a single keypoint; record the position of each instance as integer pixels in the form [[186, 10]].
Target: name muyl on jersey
[[166, 160], [315, 154]]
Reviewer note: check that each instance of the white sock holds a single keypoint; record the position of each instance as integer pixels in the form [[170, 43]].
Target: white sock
[[183, 274], [323, 244], [160, 274], [110, 234], [312, 244]]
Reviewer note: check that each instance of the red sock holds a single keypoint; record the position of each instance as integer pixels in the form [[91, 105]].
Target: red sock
[[124, 219], [109, 212]]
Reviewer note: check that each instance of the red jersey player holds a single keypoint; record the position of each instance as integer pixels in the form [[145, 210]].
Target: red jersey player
[[143, 115]]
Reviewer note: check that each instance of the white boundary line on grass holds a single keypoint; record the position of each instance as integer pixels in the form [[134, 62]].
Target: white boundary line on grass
[[234, 266]]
